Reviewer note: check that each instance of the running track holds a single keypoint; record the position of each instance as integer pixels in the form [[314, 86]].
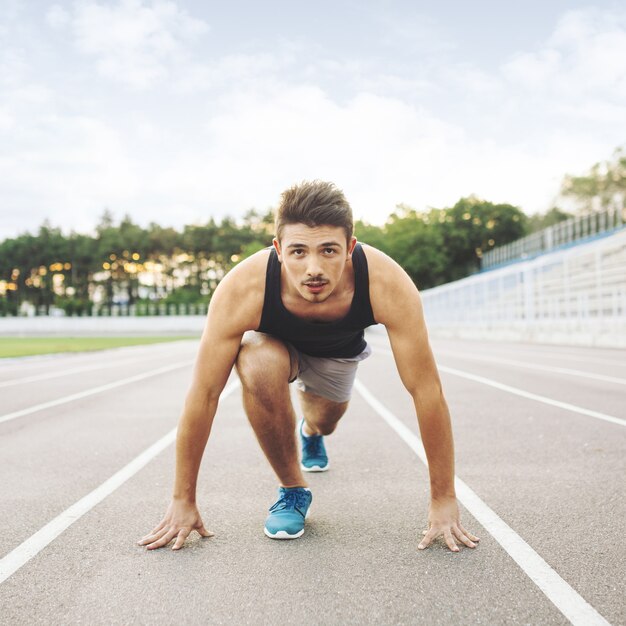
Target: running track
[[86, 464]]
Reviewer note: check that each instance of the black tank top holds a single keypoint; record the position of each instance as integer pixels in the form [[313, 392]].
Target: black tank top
[[340, 339]]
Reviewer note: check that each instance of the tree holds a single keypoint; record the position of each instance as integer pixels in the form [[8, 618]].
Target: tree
[[415, 241], [370, 234], [604, 185], [473, 226], [539, 221], [434, 246]]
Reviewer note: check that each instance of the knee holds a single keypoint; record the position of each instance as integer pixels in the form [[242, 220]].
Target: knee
[[327, 428], [326, 420], [261, 362]]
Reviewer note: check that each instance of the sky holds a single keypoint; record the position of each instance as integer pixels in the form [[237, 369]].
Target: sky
[[181, 110]]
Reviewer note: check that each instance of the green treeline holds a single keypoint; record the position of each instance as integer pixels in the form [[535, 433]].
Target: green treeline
[[124, 264], [442, 245]]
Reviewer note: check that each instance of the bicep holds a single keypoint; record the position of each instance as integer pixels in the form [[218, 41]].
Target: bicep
[[411, 349], [399, 308], [214, 362], [228, 318]]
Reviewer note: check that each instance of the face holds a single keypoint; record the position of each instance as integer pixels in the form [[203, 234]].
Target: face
[[313, 259]]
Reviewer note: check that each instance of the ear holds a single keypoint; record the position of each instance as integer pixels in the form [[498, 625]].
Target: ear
[[276, 245], [351, 246]]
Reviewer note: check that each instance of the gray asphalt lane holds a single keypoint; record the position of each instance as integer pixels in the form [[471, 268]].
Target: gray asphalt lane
[[38, 364], [51, 458], [100, 369], [554, 476], [598, 360], [357, 562]]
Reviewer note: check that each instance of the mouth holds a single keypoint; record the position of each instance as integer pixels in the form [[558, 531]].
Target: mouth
[[315, 286]]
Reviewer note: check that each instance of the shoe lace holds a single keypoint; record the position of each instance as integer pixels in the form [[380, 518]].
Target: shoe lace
[[313, 445], [289, 500]]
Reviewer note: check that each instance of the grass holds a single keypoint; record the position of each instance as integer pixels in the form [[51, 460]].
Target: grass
[[28, 346]]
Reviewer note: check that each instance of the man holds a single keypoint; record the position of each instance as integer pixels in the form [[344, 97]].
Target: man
[[297, 312]]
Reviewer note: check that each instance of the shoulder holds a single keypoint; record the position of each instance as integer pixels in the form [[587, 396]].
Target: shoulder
[[384, 272], [238, 299], [248, 273], [377, 260], [392, 292]]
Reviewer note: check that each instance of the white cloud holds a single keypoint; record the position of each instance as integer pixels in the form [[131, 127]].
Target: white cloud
[[584, 57], [229, 71], [229, 131], [7, 121], [13, 66], [68, 165], [381, 151], [534, 70], [133, 42], [413, 33], [57, 16]]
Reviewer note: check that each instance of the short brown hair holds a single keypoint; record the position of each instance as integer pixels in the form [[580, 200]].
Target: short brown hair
[[314, 203]]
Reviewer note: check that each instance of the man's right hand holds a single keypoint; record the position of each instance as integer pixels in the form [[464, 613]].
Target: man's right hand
[[180, 519]]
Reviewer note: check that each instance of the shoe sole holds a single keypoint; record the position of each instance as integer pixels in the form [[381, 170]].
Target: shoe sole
[[314, 468], [283, 534]]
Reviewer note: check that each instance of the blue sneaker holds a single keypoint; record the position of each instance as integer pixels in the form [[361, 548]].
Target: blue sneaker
[[314, 457], [286, 518]]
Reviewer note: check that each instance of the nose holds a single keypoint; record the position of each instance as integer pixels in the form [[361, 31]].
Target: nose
[[313, 266]]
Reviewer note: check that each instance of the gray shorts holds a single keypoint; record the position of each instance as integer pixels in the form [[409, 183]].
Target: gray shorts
[[330, 378]]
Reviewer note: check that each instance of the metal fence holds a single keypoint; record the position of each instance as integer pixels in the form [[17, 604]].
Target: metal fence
[[575, 296], [563, 234], [142, 309]]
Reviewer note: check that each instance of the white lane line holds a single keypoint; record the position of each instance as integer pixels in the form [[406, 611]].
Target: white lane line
[[379, 341], [525, 394], [93, 391], [575, 608], [59, 359], [573, 356], [18, 557], [569, 356], [533, 396], [534, 366], [66, 372]]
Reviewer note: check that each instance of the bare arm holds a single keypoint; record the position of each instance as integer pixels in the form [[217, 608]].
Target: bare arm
[[397, 305], [235, 308]]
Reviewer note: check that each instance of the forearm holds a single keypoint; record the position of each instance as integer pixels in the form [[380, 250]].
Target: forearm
[[436, 432], [193, 432]]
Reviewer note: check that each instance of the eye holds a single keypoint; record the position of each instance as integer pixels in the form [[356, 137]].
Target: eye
[[329, 251], [298, 252]]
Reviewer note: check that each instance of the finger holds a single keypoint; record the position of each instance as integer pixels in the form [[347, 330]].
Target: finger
[[447, 535], [161, 526], [460, 535], [152, 533], [155, 532], [472, 537], [163, 541], [428, 538], [180, 540], [204, 532], [151, 538]]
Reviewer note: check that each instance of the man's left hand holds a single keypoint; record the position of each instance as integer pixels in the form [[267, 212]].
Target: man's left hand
[[444, 519]]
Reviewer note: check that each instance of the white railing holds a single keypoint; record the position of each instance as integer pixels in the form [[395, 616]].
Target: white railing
[[576, 229], [575, 295]]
